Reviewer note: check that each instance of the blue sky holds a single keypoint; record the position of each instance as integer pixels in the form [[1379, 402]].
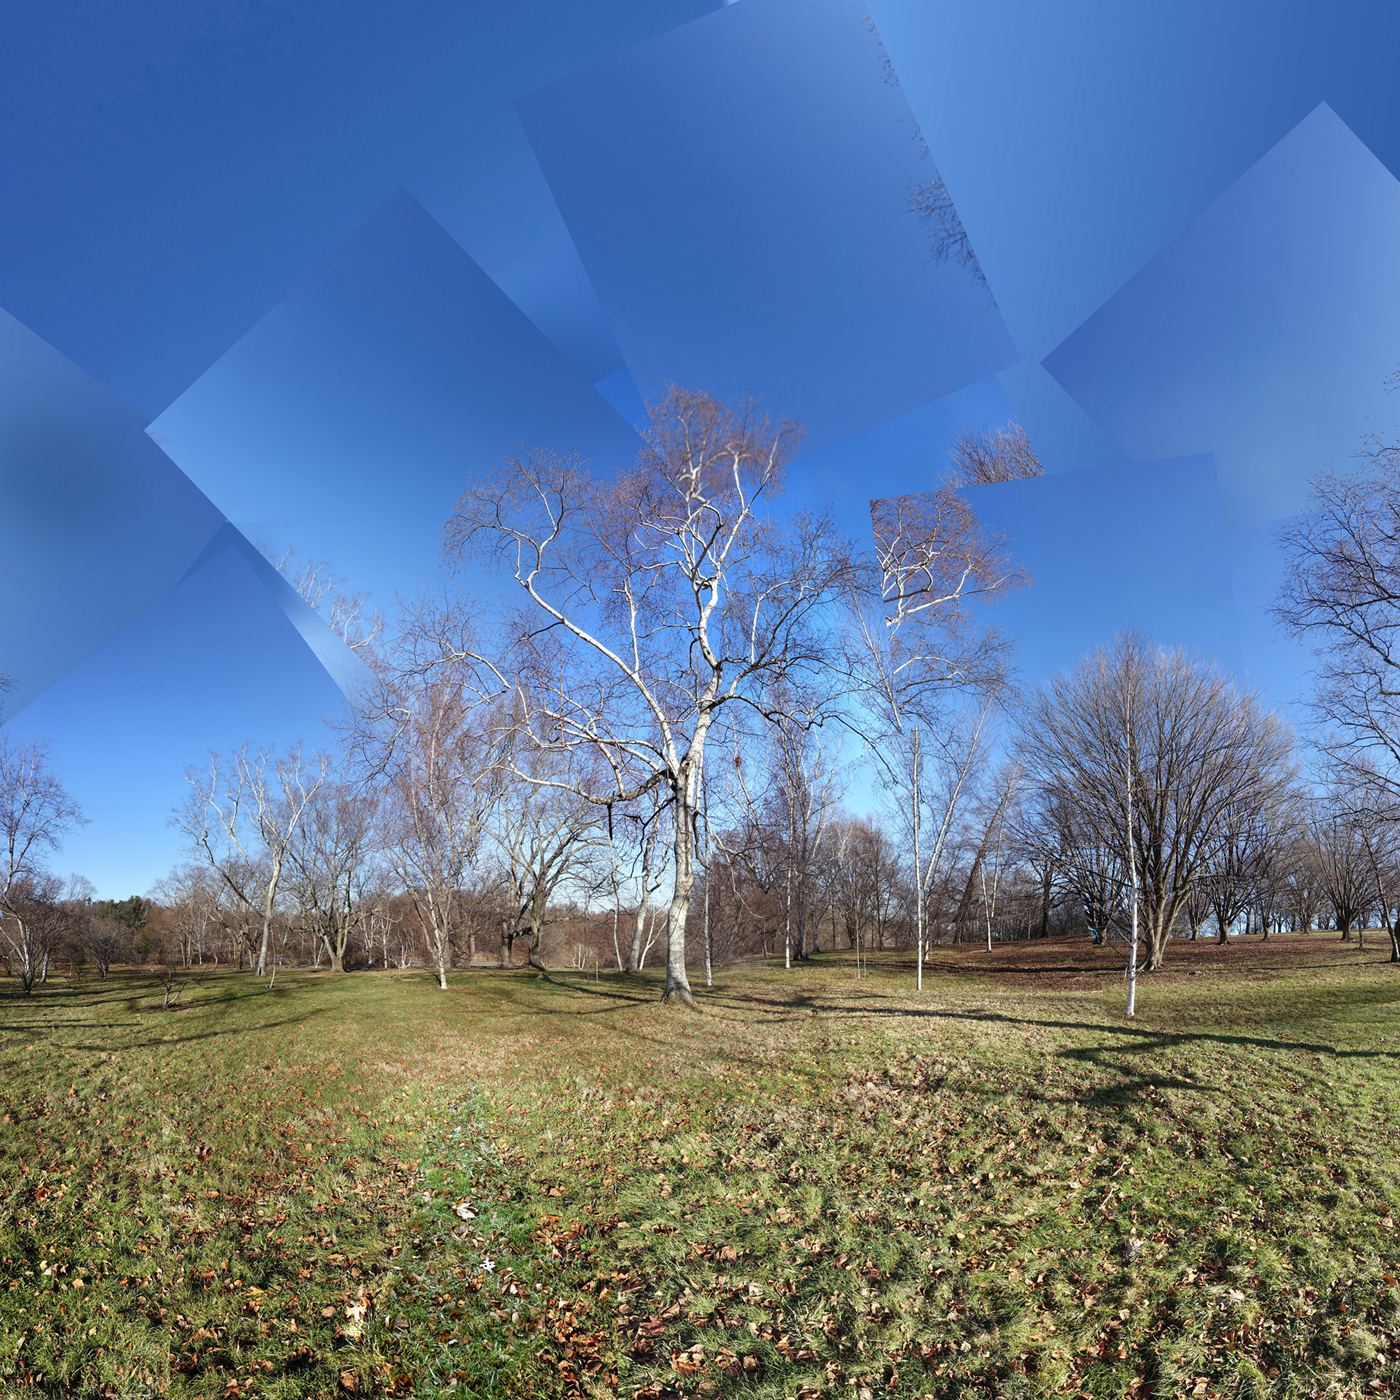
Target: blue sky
[[346, 419], [762, 147], [335, 258]]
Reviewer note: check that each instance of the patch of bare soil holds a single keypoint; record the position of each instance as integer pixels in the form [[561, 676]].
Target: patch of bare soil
[[1076, 964]]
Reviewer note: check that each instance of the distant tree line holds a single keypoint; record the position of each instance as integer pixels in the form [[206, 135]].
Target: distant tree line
[[646, 755]]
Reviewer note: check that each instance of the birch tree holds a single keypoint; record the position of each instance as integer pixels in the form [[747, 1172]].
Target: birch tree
[[242, 815], [432, 736], [317, 584], [925, 671], [652, 599]]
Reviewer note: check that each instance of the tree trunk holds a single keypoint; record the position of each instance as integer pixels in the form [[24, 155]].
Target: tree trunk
[[637, 955], [918, 873], [787, 913], [532, 953], [1157, 932], [261, 968], [677, 983]]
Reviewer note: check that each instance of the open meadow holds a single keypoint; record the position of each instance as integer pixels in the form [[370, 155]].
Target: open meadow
[[812, 1184]]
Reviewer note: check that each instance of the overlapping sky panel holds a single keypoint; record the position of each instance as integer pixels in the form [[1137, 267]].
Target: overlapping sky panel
[[97, 523], [1112, 548], [901, 457], [737, 189], [1264, 331], [1078, 141], [343, 665], [214, 664], [346, 422], [172, 170]]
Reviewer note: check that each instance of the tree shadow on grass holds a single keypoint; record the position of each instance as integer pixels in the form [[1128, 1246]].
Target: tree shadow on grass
[[135, 1001]]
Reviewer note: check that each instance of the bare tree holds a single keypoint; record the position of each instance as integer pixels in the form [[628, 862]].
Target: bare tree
[[36, 813], [103, 942], [39, 924], [1245, 835], [1302, 890], [1197, 907], [916, 656], [242, 815], [192, 896], [348, 615], [791, 812], [1342, 859], [806, 788], [329, 859], [1140, 725], [1341, 594], [984, 456], [428, 734], [753, 855], [1006, 792], [1367, 799], [654, 599], [539, 833], [930, 201], [646, 823]]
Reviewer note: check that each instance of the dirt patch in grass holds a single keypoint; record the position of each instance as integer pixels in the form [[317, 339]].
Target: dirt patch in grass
[[1076, 965]]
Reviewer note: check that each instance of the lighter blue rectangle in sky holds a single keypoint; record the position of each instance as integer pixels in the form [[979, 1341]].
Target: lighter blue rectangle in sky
[[737, 190], [349, 420], [96, 522], [1113, 548], [1264, 333]]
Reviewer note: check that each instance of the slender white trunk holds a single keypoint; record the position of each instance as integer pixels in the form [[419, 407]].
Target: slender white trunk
[[677, 982], [918, 874], [261, 969], [787, 912], [709, 856], [1133, 872]]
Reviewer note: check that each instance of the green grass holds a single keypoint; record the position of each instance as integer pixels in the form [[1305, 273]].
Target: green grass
[[809, 1185]]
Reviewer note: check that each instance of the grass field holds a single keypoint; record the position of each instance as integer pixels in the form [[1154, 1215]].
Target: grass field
[[810, 1185]]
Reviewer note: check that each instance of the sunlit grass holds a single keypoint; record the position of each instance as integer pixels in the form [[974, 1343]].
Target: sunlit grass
[[811, 1184]]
